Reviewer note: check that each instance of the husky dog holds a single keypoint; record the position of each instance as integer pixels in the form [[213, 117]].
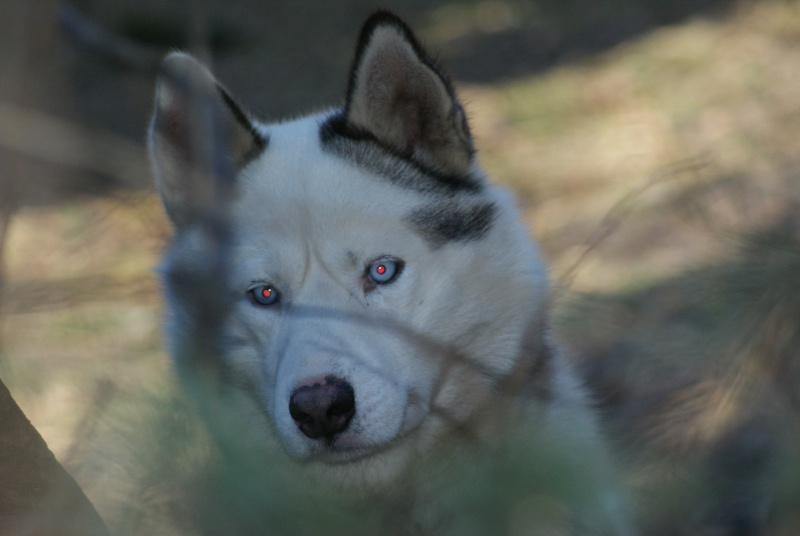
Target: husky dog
[[346, 291]]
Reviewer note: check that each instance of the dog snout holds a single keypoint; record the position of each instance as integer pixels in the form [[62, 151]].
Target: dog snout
[[322, 409]]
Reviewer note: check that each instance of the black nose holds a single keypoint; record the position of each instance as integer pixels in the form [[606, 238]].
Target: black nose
[[323, 409]]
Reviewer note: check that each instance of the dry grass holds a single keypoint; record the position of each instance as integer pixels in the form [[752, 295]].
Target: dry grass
[[707, 110]]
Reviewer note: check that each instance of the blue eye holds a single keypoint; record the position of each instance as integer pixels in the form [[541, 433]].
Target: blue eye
[[384, 270], [263, 295]]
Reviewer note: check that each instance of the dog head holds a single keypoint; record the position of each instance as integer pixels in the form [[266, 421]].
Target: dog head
[[358, 283]]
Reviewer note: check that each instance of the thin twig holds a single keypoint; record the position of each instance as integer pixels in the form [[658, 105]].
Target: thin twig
[[617, 213], [113, 48]]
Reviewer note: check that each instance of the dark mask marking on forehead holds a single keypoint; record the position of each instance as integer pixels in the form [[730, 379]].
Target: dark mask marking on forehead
[[442, 223]]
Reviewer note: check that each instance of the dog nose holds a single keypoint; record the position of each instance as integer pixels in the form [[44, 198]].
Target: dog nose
[[323, 409]]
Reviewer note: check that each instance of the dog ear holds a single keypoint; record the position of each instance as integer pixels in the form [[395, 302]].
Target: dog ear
[[400, 96], [199, 138]]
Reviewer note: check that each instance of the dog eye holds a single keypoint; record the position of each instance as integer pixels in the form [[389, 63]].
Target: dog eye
[[263, 295], [384, 270]]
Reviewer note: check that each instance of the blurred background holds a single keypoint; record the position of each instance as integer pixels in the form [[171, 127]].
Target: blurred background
[[654, 147]]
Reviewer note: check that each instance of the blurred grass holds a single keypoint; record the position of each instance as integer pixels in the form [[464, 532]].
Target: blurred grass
[[661, 178], [716, 98]]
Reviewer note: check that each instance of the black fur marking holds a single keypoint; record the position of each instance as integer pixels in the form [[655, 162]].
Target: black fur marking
[[340, 137], [260, 142], [440, 224]]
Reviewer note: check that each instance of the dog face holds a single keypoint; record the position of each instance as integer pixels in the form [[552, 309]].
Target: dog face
[[375, 289]]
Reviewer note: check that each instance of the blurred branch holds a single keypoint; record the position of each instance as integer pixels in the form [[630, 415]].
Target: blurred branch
[[30, 296], [45, 137], [88, 35], [31, 32]]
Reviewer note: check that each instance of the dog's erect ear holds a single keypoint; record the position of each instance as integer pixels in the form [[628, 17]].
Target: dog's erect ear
[[198, 137], [401, 97]]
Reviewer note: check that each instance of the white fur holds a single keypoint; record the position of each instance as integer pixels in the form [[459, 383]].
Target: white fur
[[299, 213]]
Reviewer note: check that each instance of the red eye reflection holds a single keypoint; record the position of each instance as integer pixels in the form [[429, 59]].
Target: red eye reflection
[[384, 270], [263, 295]]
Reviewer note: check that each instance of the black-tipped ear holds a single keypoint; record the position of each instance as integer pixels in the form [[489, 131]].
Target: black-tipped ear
[[398, 95], [198, 135]]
